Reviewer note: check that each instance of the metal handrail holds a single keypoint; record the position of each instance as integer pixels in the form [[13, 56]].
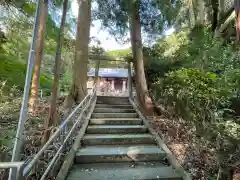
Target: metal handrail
[[84, 104], [17, 166], [23, 171], [6, 165]]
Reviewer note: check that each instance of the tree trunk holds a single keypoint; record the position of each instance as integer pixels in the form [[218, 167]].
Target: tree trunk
[[52, 117], [215, 5], [201, 13], [33, 101], [225, 24], [225, 16], [221, 8], [79, 84], [237, 11], [145, 101], [191, 14]]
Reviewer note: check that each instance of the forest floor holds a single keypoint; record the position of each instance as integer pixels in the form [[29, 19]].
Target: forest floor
[[33, 131], [198, 160]]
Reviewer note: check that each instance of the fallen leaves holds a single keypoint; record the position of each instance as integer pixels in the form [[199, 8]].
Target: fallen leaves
[[199, 161]]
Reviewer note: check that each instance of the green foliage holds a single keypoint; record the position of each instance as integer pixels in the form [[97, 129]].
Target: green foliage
[[157, 68], [15, 38], [113, 15], [52, 30], [154, 17], [13, 72], [24, 6], [209, 79], [15, 48], [196, 77], [194, 94], [120, 52], [209, 102], [161, 57], [66, 81], [46, 84], [232, 79], [205, 52], [29, 8], [197, 49], [9, 112]]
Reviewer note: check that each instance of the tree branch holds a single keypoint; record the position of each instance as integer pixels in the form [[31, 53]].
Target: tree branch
[[225, 17]]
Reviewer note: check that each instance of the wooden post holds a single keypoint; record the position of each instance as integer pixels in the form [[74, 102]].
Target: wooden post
[[105, 84], [96, 75], [129, 79], [123, 85], [113, 85], [96, 71]]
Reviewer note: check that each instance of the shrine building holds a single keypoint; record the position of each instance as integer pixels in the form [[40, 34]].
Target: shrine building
[[110, 81]]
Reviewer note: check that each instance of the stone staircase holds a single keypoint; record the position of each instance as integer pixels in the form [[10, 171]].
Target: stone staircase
[[117, 146]]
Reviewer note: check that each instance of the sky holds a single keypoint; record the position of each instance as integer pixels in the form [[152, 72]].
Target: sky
[[107, 41]]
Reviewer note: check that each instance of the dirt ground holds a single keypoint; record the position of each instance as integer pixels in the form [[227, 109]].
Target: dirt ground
[[199, 161]]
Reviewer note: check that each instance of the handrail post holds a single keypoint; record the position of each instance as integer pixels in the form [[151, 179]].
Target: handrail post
[[24, 107], [129, 79], [20, 175]]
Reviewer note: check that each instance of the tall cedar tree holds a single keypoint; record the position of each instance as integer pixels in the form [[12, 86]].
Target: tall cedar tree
[[79, 83], [138, 63], [52, 117], [33, 101]]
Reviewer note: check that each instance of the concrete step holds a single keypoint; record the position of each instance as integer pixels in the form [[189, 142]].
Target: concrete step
[[119, 106], [114, 121], [111, 139], [116, 129], [112, 100], [111, 97], [101, 154], [113, 110], [114, 115], [123, 171], [116, 102]]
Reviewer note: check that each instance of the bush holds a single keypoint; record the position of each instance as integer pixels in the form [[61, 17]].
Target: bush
[[194, 94], [231, 82], [203, 98]]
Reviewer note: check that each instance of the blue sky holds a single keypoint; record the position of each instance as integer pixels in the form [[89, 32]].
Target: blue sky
[[107, 41]]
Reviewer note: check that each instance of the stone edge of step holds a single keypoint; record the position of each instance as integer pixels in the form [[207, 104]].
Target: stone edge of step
[[128, 170]]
